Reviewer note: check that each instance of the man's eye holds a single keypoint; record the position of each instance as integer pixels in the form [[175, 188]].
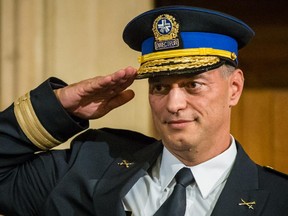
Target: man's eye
[[193, 85], [159, 89]]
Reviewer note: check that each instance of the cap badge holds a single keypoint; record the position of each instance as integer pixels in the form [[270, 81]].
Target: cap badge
[[165, 29]]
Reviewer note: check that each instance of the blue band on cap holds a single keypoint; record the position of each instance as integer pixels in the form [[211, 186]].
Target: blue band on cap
[[198, 40]]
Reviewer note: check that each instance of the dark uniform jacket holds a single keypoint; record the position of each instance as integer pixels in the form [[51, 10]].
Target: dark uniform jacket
[[91, 178]]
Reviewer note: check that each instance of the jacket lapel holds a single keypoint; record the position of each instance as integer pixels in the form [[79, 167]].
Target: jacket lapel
[[120, 177], [241, 194]]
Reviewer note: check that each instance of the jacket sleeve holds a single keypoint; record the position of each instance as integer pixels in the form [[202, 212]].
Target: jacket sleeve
[[31, 126]]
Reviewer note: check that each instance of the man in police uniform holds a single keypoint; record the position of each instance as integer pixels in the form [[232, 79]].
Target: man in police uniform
[[189, 56]]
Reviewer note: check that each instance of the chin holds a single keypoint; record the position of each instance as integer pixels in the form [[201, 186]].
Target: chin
[[178, 143]]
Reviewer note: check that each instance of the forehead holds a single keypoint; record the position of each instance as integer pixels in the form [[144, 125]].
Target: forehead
[[182, 77]]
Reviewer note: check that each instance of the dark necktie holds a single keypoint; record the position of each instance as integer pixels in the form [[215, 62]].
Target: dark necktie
[[176, 202]]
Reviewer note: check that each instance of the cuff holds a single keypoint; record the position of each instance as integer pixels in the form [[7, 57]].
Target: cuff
[[43, 119]]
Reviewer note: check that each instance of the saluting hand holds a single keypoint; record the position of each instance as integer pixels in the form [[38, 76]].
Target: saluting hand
[[95, 97]]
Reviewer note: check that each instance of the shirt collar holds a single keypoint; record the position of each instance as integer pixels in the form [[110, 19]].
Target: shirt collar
[[208, 175]]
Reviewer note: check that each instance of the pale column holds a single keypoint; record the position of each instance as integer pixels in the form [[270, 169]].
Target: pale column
[[87, 42], [21, 47], [8, 54]]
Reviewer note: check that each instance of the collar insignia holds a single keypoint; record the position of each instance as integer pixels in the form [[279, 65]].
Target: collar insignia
[[166, 30], [125, 163], [248, 204]]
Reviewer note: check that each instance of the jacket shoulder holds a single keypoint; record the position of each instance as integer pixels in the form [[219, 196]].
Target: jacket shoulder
[[272, 171], [126, 140], [129, 134]]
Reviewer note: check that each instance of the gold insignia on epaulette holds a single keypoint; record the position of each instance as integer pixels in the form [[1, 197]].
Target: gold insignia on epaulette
[[269, 167], [272, 170]]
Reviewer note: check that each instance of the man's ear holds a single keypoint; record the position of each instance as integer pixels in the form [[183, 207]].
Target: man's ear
[[236, 86]]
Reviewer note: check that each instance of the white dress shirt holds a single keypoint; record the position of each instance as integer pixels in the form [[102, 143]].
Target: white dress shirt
[[151, 190]]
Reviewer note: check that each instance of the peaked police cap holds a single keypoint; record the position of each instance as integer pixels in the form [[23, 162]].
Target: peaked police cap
[[182, 39]]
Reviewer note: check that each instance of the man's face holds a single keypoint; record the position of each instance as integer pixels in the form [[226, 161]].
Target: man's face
[[192, 111]]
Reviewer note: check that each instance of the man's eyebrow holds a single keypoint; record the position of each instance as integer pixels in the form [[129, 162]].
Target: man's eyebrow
[[201, 75], [186, 76], [154, 80]]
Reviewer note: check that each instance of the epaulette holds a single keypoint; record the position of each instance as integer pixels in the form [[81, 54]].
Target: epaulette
[[272, 170]]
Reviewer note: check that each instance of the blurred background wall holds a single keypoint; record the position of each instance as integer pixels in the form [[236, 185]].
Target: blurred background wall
[[78, 39], [72, 40]]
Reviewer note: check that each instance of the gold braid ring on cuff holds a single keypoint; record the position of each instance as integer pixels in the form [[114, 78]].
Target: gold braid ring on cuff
[[30, 124]]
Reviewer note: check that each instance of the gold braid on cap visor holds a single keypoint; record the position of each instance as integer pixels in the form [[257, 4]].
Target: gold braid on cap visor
[[182, 59]]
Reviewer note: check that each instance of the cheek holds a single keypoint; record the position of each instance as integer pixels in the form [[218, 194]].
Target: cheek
[[211, 104], [219, 110], [221, 95], [156, 104]]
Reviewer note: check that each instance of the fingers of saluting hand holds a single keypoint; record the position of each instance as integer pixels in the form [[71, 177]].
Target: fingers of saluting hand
[[111, 84], [95, 97]]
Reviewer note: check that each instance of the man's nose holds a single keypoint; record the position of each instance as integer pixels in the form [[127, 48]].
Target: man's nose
[[176, 100]]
